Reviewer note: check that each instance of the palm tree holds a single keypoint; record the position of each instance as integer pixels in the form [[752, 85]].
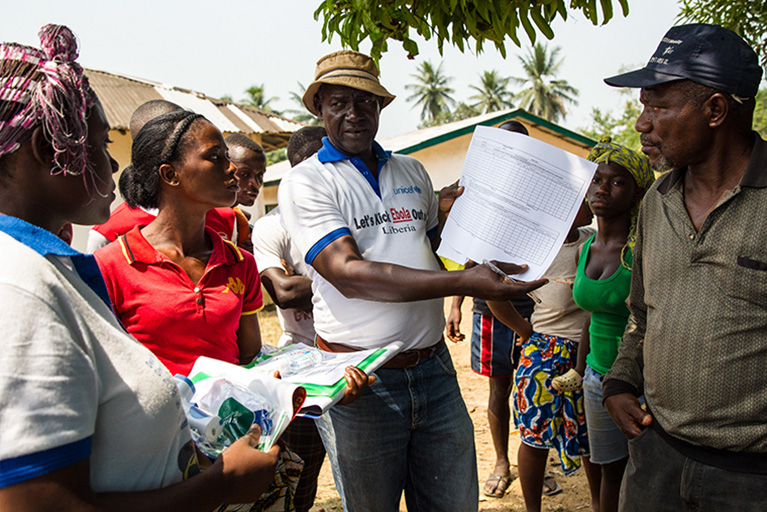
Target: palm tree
[[300, 114], [431, 91], [256, 98], [492, 93], [544, 96]]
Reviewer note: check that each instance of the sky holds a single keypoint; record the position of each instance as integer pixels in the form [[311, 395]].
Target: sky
[[223, 47]]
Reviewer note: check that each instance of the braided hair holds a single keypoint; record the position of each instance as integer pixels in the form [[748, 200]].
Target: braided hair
[[159, 142], [47, 88]]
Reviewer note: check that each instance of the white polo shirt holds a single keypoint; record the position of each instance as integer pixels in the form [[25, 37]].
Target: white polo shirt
[[272, 244], [331, 195], [74, 384]]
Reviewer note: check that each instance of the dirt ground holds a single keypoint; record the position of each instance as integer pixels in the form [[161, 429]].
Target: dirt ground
[[474, 388]]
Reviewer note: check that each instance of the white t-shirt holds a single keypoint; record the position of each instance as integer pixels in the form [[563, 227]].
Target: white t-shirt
[[72, 381], [271, 244], [321, 202]]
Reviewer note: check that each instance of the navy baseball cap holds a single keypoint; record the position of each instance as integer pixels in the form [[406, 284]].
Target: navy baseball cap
[[706, 54]]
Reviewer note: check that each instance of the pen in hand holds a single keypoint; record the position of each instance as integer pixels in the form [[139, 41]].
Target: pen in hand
[[505, 275]]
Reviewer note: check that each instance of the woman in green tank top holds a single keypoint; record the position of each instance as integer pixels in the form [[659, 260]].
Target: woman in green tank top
[[602, 283]]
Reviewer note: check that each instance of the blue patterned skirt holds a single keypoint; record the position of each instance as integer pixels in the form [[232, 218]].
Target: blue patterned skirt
[[545, 417]]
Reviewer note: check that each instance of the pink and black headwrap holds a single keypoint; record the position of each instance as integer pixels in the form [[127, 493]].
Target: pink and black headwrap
[[46, 87]]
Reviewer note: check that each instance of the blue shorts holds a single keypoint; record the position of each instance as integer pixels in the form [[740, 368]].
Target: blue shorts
[[606, 441], [494, 352]]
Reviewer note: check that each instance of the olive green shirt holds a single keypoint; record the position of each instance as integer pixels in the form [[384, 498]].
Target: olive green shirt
[[696, 341]]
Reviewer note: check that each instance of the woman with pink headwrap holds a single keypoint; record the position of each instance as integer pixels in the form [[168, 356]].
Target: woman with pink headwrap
[[89, 418]]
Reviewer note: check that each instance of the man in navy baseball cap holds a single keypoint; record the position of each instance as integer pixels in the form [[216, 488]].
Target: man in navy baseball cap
[[695, 344], [706, 54]]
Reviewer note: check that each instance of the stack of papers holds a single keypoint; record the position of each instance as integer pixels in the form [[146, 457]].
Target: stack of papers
[[520, 199], [320, 373]]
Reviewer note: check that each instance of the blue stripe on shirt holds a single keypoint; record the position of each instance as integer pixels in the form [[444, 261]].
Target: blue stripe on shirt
[[26, 467], [44, 243], [324, 242]]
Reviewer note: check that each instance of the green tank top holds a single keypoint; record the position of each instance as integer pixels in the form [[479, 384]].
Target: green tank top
[[606, 300]]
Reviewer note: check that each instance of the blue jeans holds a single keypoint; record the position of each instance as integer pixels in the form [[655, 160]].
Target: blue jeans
[[408, 431], [606, 441]]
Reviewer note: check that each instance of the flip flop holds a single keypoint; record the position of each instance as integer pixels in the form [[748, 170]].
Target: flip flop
[[550, 485], [499, 489]]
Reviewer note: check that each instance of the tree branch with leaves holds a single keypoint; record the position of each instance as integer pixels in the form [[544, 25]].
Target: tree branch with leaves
[[456, 22], [747, 18]]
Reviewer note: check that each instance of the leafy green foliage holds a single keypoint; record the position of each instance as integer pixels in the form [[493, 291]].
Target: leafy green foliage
[[760, 113], [431, 91], [456, 22], [492, 93], [544, 95], [300, 113], [278, 155], [462, 111], [255, 97], [618, 126], [746, 17]]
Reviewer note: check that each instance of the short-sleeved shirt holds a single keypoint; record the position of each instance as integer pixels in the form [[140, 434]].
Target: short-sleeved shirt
[[331, 195], [177, 319], [74, 384], [271, 245]]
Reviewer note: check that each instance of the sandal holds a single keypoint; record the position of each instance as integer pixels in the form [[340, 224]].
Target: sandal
[[496, 486], [550, 485], [570, 381]]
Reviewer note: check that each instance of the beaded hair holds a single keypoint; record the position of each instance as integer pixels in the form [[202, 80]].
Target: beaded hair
[[47, 88]]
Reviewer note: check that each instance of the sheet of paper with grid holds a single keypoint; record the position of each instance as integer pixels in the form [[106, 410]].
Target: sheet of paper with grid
[[521, 196]]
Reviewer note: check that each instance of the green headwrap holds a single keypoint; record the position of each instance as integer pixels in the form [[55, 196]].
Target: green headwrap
[[638, 166], [633, 161]]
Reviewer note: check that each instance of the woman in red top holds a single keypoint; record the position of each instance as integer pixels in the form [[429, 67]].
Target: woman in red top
[[70, 373], [177, 286]]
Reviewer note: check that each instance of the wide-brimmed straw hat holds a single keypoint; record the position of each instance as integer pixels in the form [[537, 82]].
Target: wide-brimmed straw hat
[[352, 69]]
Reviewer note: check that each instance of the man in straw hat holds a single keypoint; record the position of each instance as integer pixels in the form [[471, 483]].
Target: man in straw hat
[[695, 343], [367, 223]]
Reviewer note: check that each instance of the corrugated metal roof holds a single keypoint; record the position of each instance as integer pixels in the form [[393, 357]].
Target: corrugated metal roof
[[121, 95]]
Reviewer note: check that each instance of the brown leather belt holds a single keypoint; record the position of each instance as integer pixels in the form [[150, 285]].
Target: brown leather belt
[[404, 359]]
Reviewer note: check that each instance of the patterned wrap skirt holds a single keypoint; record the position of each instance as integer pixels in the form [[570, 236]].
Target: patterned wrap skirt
[[545, 417]]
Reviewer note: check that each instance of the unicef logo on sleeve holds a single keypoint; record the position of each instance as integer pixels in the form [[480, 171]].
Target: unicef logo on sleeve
[[412, 189]]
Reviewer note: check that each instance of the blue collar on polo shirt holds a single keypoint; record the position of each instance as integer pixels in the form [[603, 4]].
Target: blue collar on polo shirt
[[329, 153], [44, 243]]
